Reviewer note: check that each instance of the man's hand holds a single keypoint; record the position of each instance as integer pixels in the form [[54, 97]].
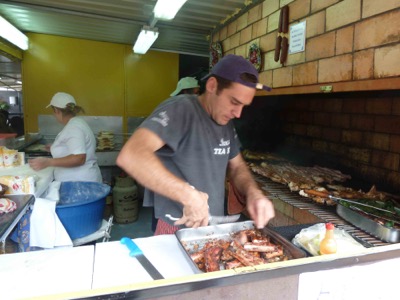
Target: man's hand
[[195, 211], [261, 210]]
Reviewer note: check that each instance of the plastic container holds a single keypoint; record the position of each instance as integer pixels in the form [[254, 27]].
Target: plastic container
[[125, 200], [328, 244], [81, 207]]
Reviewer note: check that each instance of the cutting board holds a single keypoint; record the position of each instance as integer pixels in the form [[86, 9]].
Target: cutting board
[[46, 272], [114, 267]]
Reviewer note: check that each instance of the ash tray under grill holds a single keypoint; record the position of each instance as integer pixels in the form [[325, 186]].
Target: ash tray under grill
[[193, 240]]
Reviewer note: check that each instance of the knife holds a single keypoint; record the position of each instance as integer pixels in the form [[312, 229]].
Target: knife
[[136, 252]]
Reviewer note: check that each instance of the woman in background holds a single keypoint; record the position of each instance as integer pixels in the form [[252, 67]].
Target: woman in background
[[73, 157], [73, 150]]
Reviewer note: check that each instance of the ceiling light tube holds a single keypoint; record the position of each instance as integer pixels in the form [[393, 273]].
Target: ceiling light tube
[[167, 9], [145, 39], [12, 34]]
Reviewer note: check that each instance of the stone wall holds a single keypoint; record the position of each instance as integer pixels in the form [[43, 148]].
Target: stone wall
[[347, 41]]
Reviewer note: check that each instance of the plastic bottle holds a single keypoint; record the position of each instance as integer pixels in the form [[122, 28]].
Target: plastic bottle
[[328, 244]]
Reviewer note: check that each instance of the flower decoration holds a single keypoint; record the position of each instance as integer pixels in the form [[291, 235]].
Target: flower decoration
[[4, 105], [255, 56], [215, 53]]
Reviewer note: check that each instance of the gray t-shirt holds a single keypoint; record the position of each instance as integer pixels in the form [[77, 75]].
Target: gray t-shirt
[[196, 149]]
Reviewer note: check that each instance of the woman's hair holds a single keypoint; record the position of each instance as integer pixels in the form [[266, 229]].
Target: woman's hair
[[71, 109]]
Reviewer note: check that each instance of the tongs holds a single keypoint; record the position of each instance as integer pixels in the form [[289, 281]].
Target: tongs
[[213, 220], [336, 199], [397, 221]]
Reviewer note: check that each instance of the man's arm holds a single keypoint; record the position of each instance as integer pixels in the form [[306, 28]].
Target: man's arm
[[260, 208], [139, 160]]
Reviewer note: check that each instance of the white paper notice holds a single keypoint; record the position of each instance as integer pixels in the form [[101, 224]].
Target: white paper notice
[[297, 37], [368, 282]]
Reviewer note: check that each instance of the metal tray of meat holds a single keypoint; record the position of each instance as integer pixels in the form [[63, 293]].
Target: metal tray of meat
[[193, 240], [383, 233]]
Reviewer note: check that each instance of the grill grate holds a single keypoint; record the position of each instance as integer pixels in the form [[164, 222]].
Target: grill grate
[[325, 213]]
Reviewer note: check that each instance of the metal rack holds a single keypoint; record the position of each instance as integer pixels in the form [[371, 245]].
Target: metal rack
[[103, 233]]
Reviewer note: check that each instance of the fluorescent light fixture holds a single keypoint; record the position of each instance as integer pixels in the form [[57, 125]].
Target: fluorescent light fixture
[[12, 34], [167, 9], [145, 39]]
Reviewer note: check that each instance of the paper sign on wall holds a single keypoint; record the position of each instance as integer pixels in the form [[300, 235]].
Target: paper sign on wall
[[297, 37]]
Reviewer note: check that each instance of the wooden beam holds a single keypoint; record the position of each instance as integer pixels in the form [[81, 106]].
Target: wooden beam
[[392, 83]]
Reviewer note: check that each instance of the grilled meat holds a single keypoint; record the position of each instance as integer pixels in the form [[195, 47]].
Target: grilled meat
[[211, 258], [246, 248]]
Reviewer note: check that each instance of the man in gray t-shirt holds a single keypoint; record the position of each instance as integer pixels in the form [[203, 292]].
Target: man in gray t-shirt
[[184, 150]]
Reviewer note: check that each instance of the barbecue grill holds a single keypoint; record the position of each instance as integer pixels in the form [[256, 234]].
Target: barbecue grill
[[325, 213]]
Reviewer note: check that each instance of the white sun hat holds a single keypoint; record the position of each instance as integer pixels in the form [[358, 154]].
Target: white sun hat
[[61, 100]]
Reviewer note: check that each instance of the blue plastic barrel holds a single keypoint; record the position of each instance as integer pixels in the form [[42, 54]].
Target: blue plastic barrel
[[81, 207]]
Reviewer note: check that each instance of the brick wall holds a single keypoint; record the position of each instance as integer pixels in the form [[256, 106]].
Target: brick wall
[[346, 41], [353, 45], [360, 131]]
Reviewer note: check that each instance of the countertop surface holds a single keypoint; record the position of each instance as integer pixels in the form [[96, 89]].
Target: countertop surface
[[20, 143], [39, 273], [114, 267], [42, 177], [107, 268], [104, 265]]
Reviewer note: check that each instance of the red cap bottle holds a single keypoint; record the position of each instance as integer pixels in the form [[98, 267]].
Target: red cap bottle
[[328, 244]]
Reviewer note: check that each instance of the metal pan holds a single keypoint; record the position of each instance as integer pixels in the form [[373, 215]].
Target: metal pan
[[192, 239], [337, 199], [384, 233]]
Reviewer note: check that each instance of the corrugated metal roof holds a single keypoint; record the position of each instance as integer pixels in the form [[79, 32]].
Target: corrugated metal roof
[[120, 21]]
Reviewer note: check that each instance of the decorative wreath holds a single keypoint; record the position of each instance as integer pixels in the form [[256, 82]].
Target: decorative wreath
[[215, 53], [255, 56]]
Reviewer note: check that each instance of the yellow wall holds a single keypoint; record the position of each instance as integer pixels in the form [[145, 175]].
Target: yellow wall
[[106, 79], [150, 78]]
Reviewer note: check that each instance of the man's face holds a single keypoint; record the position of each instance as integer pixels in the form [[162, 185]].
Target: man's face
[[228, 103]]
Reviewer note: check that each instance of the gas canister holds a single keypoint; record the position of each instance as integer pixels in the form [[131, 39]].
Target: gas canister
[[125, 199]]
